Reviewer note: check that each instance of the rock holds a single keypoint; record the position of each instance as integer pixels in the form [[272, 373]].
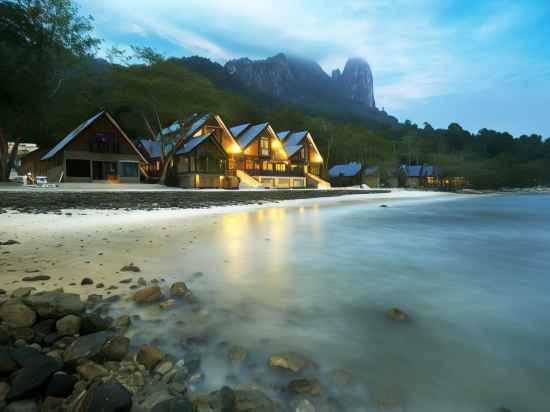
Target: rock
[[9, 242], [44, 327], [5, 337], [228, 399], [22, 292], [125, 281], [397, 314], [68, 325], [87, 281], [147, 295], [7, 363], [122, 322], [100, 285], [28, 405], [310, 387], [91, 370], [168, 304], [53, 404], [87, 346], [4, 389], [116, 348], [26, 334], [303, 405], [94, 323], [130, 268], [55, 304], [164, 367], [37, 278], [179, 290], [174, 405], [36, 369], [141, 282], [149, 356], [290, 361], [254, 401], [237, 355], [16, 314], [60, 385], [107, 397]]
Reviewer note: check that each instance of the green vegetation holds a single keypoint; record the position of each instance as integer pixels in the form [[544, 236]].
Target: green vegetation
[[50, 82]]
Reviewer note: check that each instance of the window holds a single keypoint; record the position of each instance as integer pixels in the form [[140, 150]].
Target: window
[[248, 165], [78, 168], [267, 166], [104, 142], [264, 146], [280, 167], [128, 169]]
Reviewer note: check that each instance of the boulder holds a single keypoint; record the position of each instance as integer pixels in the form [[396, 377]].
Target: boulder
[[174, 405], [179, 290], [130, 268], [5, 337], [254, 401], [36, 370], [149, 356], [68, 325], [37, 278], [22, 292], [147, 295], [304, 405], [87, 281], [53, 404], [116, 348], [94, 323], [55, 304], [60, 385], [7, 363], [28, 405], [91, 370], [107, 397], [4, 389], [290, 361], [122, 322], [304, 386], [397, 314], [16, 314], [167, 304], [87, 346]]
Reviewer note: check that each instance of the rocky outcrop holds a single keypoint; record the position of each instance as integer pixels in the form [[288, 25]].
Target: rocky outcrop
[[356, 81]]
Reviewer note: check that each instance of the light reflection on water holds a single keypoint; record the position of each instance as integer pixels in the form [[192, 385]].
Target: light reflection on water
[[472, 273]]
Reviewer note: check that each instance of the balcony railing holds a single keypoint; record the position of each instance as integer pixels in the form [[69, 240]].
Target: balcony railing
[[256, 172]]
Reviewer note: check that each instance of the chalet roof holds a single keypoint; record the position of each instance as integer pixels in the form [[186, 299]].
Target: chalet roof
[[292, 149], [295, 138], [174, 127], [71, 136], [193, 143], [348, 169], [370, 170], [237, 130], [197, 124], [418, 170], [250, 134], [283, 135]]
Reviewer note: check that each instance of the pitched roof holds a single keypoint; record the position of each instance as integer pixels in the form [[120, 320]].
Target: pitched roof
[[348, 169], [237, 130], [250, 134], [370, 170], [292, 149], [192, 143], [295, 138], [71, 136], [197, 124], [174, 127], [418, 170], [283, 135]]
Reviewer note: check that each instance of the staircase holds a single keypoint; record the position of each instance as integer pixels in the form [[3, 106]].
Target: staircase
[[316, 182], [247, 181]]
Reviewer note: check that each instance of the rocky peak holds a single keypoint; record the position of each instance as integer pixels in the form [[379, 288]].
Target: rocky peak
[[357, 81]]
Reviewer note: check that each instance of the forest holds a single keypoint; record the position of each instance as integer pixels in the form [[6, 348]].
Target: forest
[[51, 80]]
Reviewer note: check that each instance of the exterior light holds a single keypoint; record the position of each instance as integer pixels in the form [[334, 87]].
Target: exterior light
[[317, 159], [235, 148], [275, 144]]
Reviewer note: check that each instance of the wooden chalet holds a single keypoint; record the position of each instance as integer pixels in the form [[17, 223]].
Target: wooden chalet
[[96, 151], [416, 176], [354, 174]]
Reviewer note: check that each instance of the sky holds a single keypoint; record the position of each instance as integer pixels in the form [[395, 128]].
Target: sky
[[481, 63]]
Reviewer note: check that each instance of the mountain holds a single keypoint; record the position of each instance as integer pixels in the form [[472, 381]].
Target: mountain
[[283, 79]]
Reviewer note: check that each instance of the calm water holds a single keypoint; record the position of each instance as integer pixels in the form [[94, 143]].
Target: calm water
[[473, 273]]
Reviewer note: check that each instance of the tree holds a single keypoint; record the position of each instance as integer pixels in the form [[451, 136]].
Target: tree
[[40, 41]]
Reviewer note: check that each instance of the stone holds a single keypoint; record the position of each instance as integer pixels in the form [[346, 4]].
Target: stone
[[304, 405], [9, 242], [304, 386], [16, 314], [87, 346], [53, 404], [7, 363], [26, 334], [290, 361], [68, 325], [116, 348], [37, 278], [397, 314], [130, 268], [167, 304], [55, 304], [5, 337], [61, 385], [149, 356], [141, 282], [174, 405], [147, 295], [163, 367], [107, 397], [87, 281], [179, 290], [122, 322], [91, 370], [44, 327], [4, 389], [22, 292], [37, 368], [237, 355], [28, 405], [94, 323], [254, 401]]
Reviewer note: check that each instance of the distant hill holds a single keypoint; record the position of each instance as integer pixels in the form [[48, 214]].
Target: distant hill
[[282, 79]]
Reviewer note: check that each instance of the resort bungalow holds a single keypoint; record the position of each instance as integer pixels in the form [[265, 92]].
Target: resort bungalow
[[96, 151], [263, 161], [415, 176], [304, 157], [354, 174]]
